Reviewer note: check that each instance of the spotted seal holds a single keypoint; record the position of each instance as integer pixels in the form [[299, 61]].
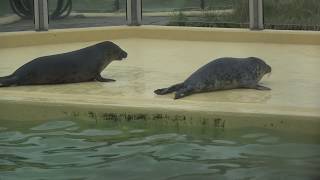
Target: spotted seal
[[77, 66], [222, 74]]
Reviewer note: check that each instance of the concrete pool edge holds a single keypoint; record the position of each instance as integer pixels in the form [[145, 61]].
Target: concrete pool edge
[[155, 116], [56, 36], [41, 105]]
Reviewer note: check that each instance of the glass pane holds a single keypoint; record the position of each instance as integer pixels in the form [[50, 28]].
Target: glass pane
[[202, 13], [16, 16], [86, 13], [292, 14]]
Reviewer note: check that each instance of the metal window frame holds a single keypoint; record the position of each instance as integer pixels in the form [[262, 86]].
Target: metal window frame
[[134, 12], [41, 15], [256, 15]]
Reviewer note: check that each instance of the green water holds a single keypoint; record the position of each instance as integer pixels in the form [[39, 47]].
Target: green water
[[96, 150]]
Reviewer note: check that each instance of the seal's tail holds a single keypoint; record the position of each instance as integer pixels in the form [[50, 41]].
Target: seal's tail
[[169, 89], [8, 81]]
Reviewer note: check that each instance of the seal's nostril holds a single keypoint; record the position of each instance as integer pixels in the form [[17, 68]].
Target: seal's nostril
[[125, 55], [269, 69]]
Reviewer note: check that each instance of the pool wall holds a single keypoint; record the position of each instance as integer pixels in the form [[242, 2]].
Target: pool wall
[[154, 116]]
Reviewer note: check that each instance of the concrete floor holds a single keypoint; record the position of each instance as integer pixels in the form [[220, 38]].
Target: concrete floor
[[156, 63]]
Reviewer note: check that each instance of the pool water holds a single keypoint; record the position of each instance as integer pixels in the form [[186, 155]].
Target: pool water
[[79, 149]]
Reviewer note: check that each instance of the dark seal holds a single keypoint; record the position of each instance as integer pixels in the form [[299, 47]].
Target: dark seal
[[222, 74], [77, 66]]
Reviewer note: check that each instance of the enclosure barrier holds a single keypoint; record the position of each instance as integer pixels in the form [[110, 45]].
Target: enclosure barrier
[[41, 15], [134, 14], [256, 14]]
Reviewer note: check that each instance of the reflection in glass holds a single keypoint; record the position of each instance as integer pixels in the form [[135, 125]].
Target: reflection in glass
[[16, 15], [292, 14], [86, 13], [202, 13]]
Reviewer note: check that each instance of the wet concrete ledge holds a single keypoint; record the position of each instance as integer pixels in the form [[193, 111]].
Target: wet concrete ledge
[[157, 116], [292, 104]]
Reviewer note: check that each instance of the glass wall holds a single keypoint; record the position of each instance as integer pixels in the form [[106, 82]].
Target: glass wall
[[202, 13], [292, 14], [86, 13], [16, 16]]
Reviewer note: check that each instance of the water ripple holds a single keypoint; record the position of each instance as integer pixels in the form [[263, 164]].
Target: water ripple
[[74, 150]]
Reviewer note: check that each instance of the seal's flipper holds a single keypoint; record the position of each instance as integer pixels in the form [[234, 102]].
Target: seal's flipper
[[262, 88], [169, 89], [8, 81], [102, 79], [183, 93]]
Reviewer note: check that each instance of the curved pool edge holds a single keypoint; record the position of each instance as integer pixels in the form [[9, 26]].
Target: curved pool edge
[[56, 36]]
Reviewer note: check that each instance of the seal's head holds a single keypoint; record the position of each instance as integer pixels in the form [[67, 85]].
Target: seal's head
[[112, 51], [261, 67]]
